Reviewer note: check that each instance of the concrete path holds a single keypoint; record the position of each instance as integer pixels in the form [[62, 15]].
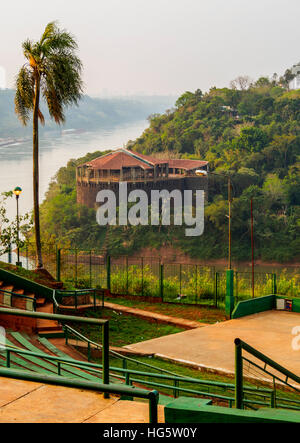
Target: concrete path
[[213, 346], [29, 402], [148, 315]]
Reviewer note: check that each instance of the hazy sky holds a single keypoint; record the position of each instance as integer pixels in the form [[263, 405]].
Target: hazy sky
[[160, 46]]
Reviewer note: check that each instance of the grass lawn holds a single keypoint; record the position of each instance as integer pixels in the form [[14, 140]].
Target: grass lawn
[[125, 329], [202, 314], [39, 276]]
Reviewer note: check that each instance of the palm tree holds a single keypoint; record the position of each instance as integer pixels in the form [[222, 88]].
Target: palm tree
[[52, 71]]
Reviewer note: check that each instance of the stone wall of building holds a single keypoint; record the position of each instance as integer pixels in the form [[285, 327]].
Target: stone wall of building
[[87, 191]]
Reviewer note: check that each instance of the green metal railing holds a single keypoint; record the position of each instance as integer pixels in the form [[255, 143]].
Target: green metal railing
[[262, 396], [8, 297], [151, 396], [62, 319], [282, 374], [91, 296], [69, 331]]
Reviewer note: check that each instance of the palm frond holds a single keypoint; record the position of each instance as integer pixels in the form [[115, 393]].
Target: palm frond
[[41, 117], [27, 46], [50, 29], [24, 95]]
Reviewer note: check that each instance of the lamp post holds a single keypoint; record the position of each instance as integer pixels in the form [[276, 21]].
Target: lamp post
[[17, 191], [202, 172]]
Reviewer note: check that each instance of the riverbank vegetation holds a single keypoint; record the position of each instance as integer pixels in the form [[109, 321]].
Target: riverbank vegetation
[[251, 134]]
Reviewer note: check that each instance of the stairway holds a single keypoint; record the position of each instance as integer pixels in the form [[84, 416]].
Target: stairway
[[46, 328], [8, 300]]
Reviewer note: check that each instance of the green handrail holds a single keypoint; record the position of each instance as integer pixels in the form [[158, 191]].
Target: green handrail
[[239, 386], [115, 353], [93, 367], [65, 318], [267, 360], [151, 396], [75, 293], [173, 376]]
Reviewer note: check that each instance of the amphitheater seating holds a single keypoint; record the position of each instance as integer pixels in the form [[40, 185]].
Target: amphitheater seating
[[40, 364]]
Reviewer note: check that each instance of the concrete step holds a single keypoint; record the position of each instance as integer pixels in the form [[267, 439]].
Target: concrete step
[[19, 291], [32, 402], [39, 301], [47, 325], [8, 288]]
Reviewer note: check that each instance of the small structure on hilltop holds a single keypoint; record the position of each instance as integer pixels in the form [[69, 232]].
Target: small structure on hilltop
[[139, 171], [295, 83]]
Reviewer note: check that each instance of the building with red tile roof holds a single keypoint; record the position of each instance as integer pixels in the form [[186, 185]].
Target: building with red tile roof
[[138, 170]]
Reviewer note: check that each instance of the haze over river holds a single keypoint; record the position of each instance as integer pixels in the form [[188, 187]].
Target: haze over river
[[55, 151]]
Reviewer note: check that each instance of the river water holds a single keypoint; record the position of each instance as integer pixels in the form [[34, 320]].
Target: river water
[[55, 151]]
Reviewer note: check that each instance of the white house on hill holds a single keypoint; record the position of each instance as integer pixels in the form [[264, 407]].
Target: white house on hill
[[295, 83]]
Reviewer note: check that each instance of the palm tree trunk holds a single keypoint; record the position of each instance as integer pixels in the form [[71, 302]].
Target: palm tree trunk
[[36, 174]]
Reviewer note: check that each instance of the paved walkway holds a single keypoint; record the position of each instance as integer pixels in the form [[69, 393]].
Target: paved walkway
[[148, 315], [213, 346], [29, 402], [175, 321]]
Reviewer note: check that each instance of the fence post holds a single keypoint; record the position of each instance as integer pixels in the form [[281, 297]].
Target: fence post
[[105, 356], [274, 284], [229, 300], [7, 358], [127, 274], [58, 261], [142, 275], [90, 268], [76, 268], [66, 335], [180, 279], [238, 374], [196, 295], [161, 282], [108, 272], [175, 391], [216, 288], [27, 260], [9, 254]]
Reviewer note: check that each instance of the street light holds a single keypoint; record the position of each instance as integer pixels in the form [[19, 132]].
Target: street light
[[202, 172], [17, 191]]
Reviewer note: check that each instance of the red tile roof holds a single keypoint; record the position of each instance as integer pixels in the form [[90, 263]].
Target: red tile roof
[[186, 164], [125, 158], [117, 160]]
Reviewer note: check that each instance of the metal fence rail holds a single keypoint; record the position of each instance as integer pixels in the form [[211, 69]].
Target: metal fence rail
[[149, 277]]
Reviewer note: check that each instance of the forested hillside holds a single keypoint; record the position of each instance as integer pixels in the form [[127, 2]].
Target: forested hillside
[[253, 134]]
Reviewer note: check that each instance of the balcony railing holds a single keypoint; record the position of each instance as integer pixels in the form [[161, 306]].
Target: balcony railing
[[128, 178]]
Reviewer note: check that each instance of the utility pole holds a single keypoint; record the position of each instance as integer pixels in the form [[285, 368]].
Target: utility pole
[[229, 222], [252, 248]]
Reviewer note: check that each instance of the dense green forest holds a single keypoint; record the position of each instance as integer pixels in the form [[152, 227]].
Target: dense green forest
[[250, 132], [91, 114]]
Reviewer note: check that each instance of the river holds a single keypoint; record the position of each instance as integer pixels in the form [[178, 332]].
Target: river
[[55, 151]]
